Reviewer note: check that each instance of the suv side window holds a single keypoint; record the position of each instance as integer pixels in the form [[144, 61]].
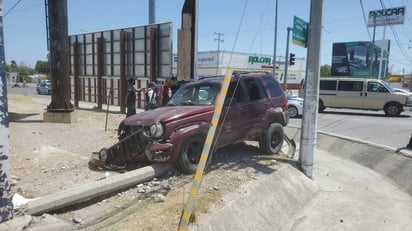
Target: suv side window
[[327, 85], [234, 93], [255, 89], [376, 87], [273, 86], [350, 85]]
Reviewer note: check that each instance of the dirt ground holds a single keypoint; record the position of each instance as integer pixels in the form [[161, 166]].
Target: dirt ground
[[51, 157]]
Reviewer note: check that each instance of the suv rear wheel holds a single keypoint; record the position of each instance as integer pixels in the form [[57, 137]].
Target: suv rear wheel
[[190, 153], [272, 140]]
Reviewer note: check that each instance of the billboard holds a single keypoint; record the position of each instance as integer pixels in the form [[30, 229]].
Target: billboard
[[386, 17], [359, 59]]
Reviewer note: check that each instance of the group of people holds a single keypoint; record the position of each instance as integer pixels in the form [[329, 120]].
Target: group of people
[[156, 95]]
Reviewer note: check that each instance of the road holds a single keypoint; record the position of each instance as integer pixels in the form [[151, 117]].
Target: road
[[370, 126]]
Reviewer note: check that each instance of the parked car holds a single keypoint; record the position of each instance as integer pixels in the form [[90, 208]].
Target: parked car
[[44, 88], [255, 108], [295, 105]]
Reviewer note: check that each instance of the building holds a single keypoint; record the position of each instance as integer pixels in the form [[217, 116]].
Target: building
[[211, 63]]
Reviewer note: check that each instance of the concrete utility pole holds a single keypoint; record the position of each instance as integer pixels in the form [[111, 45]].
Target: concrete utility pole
[[6, 205], [152, 11], [311, 98], [218, 50]]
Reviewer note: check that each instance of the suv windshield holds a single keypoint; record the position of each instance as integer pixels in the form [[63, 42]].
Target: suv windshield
[[195, 95]]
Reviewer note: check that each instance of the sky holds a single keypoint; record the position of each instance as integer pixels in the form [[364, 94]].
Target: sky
[[245, 25]]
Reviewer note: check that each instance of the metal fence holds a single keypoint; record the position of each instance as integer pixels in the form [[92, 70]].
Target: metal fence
[[101, 62]]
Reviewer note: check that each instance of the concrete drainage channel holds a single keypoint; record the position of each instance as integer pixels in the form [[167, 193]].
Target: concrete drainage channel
[[271, 201]]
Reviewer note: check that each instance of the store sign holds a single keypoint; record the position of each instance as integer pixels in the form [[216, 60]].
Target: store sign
[[385, 17], [257, 59]]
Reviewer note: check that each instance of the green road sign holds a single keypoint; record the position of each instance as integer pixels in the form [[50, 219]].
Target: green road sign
[[300, 32]]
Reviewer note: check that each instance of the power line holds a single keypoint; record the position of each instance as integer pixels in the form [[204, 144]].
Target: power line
[[12, 8]]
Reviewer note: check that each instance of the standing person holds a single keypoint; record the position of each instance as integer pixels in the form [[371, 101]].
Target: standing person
[[130, 99], [151, 96], [167, 91]]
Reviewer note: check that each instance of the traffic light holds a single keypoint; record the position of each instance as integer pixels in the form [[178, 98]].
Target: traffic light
[[291, 59]]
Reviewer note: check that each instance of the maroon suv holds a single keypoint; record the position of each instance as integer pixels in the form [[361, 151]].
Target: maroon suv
[[255, 108]]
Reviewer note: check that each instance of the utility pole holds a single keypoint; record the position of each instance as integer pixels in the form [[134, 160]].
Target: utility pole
[[152, 11], [275, 40], [218, 50], [372, 56], [311, 98], [59, 57], [6, 205], [285, 76]]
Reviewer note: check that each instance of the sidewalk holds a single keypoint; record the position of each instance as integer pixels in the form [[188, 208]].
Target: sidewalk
[[353, 197], [348, 197]]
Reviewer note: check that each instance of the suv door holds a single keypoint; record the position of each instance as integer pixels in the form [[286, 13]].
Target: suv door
[[234, 116], [256, 105], [350, 94]]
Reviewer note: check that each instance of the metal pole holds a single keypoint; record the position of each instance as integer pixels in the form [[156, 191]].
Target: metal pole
[[275, 40], [218, 50], [6, 204], [152, 11], [311, 97], [383, 50], [373, 49], [285, 76]]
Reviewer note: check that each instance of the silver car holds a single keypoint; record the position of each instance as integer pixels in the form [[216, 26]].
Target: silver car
[[44, 88]]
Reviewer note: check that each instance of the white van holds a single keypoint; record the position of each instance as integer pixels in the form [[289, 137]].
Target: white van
[[359, 93]]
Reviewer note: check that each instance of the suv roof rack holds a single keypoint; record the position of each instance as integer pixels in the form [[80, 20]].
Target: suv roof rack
[[238, 73]]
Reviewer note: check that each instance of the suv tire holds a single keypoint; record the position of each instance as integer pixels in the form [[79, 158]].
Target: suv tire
[[393, 109], [190, 153], [272, 140]]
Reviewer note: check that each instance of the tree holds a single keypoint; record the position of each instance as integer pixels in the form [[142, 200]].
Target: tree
[[325, 70], [42, 67]]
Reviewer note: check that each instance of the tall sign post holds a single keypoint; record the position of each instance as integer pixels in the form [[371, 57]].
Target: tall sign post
[[6, 205], [383, 17]]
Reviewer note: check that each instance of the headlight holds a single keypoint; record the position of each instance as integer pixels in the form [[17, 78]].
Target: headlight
[[156, 130], [103, 155]]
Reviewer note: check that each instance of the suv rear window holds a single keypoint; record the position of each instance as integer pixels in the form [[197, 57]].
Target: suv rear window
[[273, 86]]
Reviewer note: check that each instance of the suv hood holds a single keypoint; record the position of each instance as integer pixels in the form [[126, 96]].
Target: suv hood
[[165, 114]]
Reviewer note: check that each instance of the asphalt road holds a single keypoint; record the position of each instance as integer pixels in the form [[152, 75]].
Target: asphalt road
[[370, 126]]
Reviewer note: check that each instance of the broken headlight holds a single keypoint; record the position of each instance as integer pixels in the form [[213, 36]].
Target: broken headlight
[[103, 154], [156, 130]]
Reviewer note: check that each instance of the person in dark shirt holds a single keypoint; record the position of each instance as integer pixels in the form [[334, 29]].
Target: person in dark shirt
[[131, 98]]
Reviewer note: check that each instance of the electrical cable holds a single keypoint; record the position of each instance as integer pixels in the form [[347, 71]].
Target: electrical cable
[[11, 8]]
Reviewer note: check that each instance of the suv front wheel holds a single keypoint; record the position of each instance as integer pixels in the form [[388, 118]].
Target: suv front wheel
[[190, 153], [272, 141]]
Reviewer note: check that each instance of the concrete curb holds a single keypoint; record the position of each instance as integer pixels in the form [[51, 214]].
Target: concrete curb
[[270, 202]]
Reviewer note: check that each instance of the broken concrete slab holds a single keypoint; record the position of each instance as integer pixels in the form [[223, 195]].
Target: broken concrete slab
[[95, 189]]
